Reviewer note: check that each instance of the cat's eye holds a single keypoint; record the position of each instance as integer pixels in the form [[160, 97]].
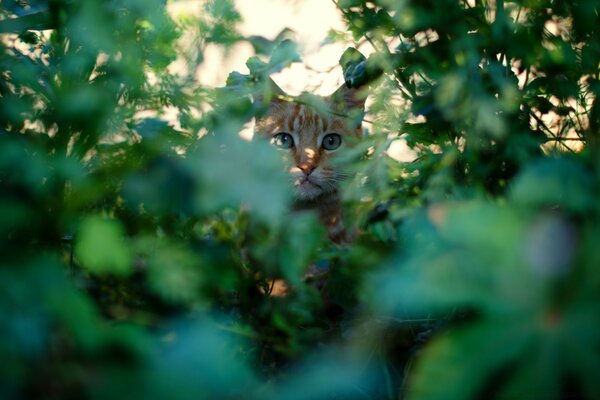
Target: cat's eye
[[283, 140], [331, 141]]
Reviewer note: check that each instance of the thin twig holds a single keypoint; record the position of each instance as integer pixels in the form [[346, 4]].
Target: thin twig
[[552, 134]]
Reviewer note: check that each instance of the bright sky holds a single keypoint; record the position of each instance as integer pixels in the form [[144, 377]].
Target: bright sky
[[311, 20]]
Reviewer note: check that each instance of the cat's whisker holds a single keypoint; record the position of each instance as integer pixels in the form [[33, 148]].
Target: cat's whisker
[[338, 179]]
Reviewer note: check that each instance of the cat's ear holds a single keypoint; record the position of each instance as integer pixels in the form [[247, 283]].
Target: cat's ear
[[267, 92], [349, 98]]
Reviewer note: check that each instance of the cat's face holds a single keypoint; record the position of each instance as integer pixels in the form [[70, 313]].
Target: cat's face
[[312, 138]]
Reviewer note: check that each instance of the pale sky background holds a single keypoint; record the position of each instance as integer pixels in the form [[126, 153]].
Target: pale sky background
[[311, 21]]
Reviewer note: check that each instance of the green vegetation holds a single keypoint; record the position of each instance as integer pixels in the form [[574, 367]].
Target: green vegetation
[[136, 254]]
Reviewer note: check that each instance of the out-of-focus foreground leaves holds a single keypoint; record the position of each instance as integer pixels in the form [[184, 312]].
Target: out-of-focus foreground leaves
[[142, 237]]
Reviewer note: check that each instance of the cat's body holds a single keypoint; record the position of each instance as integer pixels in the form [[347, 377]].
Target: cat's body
[[312, 137]]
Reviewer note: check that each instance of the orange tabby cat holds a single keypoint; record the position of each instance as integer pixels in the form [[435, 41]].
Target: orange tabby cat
[[313, 137]]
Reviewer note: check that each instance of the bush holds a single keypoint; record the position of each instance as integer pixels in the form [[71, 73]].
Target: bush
[[138, 253]]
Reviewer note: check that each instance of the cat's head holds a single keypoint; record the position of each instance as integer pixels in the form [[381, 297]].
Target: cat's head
[[312, 136]]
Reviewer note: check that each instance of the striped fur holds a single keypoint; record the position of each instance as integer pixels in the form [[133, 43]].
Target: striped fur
[[311, 170]]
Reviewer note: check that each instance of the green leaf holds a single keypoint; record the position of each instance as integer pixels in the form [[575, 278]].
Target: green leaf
[[174, 272], [236, 79], [37, 21], [234, 172], [349, 3], [580, 340], [420, 133], [358, 70], [351, 57], [205, 361], [101, 246], [79, 318], [257, 66], [460, 363], [554, 182], [459, 261], [283, 55], [261, 44], [329, 375], [465, 224], [537, 374]]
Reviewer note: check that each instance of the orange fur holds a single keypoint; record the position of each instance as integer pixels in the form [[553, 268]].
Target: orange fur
[[314, 178]]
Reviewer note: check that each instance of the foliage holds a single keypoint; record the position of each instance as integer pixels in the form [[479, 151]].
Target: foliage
[[138, 252]]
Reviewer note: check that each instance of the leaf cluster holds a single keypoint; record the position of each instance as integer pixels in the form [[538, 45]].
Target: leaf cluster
[[143, 241]]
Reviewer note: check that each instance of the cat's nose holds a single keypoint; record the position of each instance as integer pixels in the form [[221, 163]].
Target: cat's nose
[[306, 168]]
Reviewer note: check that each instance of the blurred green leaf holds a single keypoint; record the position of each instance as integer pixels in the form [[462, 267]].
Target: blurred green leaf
[[174, 272], [283, 55], [202, 361], [461, 263], [221, 164], [101, 246], [330, 375], [481, 350], [557, 182], [39, 21]]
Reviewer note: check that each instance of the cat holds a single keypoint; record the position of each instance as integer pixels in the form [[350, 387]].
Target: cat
[[312, 136]]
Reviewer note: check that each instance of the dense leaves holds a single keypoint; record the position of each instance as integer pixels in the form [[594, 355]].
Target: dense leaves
[[145, 244]]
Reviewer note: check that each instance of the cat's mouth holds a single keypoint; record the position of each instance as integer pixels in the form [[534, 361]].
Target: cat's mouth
[[307, 183], [306, 189]]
